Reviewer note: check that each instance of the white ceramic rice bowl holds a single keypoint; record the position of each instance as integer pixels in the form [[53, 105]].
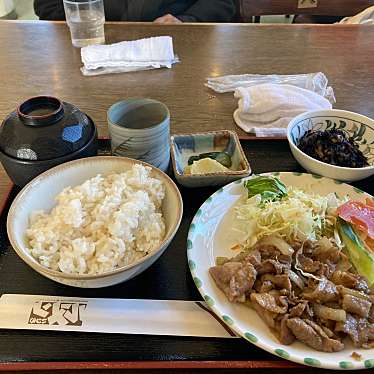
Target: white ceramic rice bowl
[[40, 193]]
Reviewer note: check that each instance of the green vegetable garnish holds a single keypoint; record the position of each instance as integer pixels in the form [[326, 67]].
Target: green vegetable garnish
[[269, 188], [222, 157], [360, 257]]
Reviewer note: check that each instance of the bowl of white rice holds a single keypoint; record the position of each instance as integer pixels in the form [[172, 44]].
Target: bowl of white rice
[[95, 222]]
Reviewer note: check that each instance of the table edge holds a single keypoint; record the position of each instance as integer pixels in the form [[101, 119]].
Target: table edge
[[239, 24], [4, 199], [30, 366]]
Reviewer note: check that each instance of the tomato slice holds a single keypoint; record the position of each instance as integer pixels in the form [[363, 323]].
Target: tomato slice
[[360, 215]]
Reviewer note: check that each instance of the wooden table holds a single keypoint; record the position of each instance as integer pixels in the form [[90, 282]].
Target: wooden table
[[38, 58]]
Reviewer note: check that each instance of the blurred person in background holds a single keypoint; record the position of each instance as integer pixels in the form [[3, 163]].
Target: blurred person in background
[[159, 11]]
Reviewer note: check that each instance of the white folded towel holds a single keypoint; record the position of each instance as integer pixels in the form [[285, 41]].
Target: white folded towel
[[267, 109], [143, 54], [316, 82], [366, 17]]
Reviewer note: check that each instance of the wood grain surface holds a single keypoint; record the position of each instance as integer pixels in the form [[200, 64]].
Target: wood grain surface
[[38, 58], [4, 185], [226, 370]]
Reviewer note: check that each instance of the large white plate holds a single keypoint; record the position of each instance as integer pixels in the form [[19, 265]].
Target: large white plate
[[212, 233]]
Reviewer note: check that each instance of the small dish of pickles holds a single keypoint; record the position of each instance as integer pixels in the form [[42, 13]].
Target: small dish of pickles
[[208, 159], [209, 162]]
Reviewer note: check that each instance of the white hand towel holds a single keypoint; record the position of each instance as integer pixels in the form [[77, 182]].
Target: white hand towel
[[143, 54], [316, 82], [266, 109], [366, 17]]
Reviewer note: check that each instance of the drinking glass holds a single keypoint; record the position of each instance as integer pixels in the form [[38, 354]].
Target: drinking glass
[[86, 21]]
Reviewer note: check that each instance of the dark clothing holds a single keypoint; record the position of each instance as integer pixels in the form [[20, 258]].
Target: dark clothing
[[149, 10], [305, 18]]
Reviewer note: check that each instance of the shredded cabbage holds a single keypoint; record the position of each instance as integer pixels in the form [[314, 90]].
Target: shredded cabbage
[[297, 216]]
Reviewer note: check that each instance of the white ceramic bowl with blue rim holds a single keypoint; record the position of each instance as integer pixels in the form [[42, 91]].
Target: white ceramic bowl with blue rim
[[213, 233], [52, 182], [357, 126]]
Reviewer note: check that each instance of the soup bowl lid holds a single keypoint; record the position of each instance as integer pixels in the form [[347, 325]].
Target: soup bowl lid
[[44, 128]]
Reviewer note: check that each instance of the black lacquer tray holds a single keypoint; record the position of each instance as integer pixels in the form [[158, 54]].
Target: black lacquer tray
[[168, 278]]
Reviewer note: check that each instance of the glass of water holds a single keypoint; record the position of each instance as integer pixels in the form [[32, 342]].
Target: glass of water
[[86, 20]]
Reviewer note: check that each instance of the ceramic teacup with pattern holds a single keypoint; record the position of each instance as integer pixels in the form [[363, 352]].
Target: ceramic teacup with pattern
[[140, 129]]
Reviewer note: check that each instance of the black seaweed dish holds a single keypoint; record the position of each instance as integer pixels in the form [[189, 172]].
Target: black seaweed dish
[[41, 133], [333, 147]]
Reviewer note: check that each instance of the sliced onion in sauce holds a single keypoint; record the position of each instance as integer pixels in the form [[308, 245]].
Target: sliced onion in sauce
[[278, 243], [296, 279], [347, 291], [325, 312]]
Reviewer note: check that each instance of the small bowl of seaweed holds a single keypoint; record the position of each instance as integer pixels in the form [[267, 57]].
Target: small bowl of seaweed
[[334, 143], [211, 158]]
